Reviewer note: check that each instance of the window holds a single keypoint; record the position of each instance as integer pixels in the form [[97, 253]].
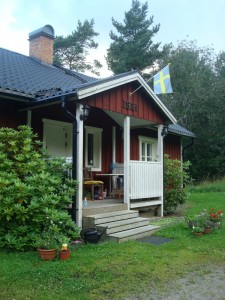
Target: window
[[147, 148], [93, 148]]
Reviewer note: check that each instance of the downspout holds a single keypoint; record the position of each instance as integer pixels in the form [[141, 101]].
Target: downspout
[[164, 133], [186, 147], [74, 151]]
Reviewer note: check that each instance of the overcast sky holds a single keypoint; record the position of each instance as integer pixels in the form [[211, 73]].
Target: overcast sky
[[200, 20]]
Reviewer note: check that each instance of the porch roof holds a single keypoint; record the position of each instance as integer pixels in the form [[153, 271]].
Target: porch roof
[[179, 130], [90, 88]]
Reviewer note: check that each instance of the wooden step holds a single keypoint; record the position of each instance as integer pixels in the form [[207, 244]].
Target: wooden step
[[93, 220], [118, 226], [133, 234], [101, 209]]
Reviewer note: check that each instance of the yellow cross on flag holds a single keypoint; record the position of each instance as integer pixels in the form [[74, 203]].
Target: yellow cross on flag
[[162, 83]]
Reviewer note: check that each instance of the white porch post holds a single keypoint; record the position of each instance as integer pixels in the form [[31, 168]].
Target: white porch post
[[161, 159], [79, 171], [114, 144], [113, 180], [160, 143], [127, 160]]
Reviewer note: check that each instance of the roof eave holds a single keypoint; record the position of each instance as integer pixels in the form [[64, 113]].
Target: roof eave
[[15, 94]]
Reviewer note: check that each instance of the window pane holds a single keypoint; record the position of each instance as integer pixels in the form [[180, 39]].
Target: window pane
[[149, 152], [143, 151], [90, 149]]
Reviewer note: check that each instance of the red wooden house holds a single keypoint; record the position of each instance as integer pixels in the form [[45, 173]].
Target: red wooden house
[[124, 133]]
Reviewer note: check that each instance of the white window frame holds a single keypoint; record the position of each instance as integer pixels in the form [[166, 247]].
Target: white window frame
[[152, 142], [97, 148]]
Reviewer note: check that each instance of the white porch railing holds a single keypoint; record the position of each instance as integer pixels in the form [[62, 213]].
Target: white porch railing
[[146, 179]]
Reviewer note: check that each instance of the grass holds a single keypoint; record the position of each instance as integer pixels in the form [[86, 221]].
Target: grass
[[115, 271]]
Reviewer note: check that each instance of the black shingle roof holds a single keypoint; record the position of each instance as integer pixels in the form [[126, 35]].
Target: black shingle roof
[[20, 73], [178, 129]]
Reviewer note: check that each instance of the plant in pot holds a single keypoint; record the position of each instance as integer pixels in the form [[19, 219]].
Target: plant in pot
[[197, 230], [47, 242], [216, 217], [208, 226], [64, 253], [191, 221]]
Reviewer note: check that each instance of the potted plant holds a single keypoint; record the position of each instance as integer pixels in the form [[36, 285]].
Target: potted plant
[[191, 221], [64, 253], [198, 231], [208, 226], [216, 217], [47, 242]]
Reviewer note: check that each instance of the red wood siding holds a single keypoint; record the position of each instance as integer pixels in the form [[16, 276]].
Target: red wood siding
[[113, 100], [9, 115], [172, 146]]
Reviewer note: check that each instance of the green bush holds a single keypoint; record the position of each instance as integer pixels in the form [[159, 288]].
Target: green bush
[[32, 188], [175, 180]]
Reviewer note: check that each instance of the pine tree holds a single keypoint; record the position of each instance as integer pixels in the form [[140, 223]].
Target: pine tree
[[72, 51], [133, 48]]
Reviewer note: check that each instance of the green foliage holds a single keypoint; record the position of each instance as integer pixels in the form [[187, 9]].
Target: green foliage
[[208, 186], [197, 76], [175, 179], [32, 188], [117, 271], [72, 51], [133, 48], [197, 229]]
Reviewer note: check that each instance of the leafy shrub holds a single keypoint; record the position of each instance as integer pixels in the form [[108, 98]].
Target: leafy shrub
[[32, 188], [175, 180]]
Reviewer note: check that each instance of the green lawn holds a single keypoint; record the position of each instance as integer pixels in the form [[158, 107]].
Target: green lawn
[[114, 271]]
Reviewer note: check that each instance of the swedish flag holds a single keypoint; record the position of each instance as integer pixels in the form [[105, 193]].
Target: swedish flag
[[162, 83]]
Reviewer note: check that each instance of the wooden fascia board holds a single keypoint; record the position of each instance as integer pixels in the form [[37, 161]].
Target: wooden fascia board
[[104, 86]]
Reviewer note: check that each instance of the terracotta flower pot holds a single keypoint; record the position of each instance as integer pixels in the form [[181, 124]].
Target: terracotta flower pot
[[198, 233], [64, 255], [207, 230], [47, 254]]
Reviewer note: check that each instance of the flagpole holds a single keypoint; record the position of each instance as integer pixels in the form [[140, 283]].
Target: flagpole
[[148, 80]]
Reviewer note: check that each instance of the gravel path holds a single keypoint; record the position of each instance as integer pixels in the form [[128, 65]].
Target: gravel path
[[205, 284]]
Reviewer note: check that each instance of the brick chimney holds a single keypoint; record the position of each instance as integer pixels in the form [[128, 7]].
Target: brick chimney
[[41, 43]]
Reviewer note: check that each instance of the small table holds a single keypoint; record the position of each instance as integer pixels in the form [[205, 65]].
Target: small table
[[110, 181]]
